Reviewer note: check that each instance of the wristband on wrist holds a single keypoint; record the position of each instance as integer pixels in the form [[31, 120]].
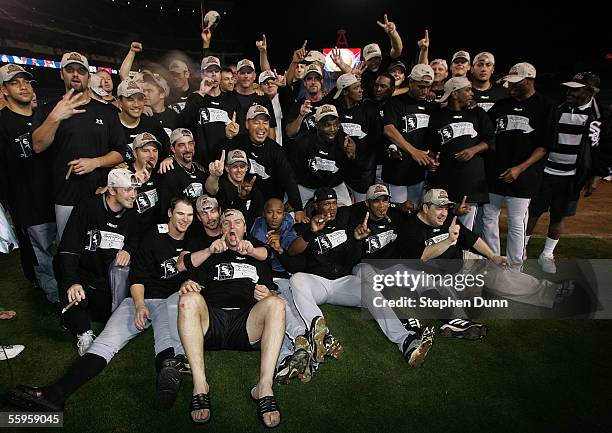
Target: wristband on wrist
[[187, 261]]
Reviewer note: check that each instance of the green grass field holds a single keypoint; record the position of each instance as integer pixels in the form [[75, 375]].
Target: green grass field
[[525, 376]]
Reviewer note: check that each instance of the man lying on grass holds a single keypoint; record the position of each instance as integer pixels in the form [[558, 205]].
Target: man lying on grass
[[230, 303]]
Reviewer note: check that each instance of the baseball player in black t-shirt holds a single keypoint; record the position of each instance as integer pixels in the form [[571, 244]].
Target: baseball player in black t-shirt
[[26, 181], [84, 136], [230, 303]]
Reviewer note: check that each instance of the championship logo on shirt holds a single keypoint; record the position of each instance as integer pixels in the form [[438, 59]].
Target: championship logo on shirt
[[436, 239], [24, 142], [512, 122], [321, 164], [178, 107], [486, 106], [146, 200], [103, 240], [234, 271], [330, 241], [258, 169], [379, 241], [455, 130], [415, 121], [594, 132], [353, 130], [211, 115], [310, 122], [194, 190], [169, 268]]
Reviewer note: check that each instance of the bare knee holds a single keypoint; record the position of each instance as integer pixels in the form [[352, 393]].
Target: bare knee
[[274, 305], [191, 301]]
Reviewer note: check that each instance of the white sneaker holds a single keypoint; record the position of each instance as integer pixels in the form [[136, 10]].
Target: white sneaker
[[84, 341], [547, 264], [9, 352]]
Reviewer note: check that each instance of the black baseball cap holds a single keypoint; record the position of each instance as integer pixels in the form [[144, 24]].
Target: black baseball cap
[[324, 193], [584, 79]]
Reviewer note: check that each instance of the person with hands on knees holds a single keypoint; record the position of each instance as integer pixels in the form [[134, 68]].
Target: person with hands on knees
[[154, 276], [229, 303], [93, 257]]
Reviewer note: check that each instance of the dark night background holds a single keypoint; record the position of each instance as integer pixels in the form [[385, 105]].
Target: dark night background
[[559, 39]]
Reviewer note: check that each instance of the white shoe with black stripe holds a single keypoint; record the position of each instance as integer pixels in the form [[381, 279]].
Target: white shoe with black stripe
[[462, 328]]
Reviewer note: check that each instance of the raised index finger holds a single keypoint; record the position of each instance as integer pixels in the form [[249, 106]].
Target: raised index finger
[[426, 35], [222, 156], [305, 42], [463, 201], [365, 220], [386, 19], [252, 180], [234, 117], [454, 221]]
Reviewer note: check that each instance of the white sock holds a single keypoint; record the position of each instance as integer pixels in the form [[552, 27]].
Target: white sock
[[549, 246], [527, 240]]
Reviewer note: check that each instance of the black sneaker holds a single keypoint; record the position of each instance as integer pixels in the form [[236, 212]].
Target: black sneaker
[[416, 347], [463, 328], [297, 365], [168, 383]]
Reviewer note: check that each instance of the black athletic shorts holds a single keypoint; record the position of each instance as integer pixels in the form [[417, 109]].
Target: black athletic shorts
[[227, 330], [557, 194]]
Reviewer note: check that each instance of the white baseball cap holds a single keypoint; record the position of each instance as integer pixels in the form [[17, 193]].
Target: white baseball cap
[[129, 88], [205, 202], [484, 56], [141, 140], [519, 72], [453, 84], [325, 110], [313, 67], [370, 51], [266, 75], [7, 72], [315, 56], [256, 110], [74, 57], [420, 72], [344, 81], [95, 84], [245, 63], [178, 133], [178, 66], [461, 55], [376, 191], [235, 156], [121, 178], [439, 61], [209, 61], [438, 197]]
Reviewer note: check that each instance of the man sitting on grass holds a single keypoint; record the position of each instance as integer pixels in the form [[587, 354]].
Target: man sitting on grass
[[154, 276], [228, 304]]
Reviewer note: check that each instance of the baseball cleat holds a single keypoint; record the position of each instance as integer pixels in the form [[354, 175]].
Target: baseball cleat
[[317, 333], [84, 341], [168, 383], [547, 264], [297, 365], [461, 328], [416, 347], [333, 347]]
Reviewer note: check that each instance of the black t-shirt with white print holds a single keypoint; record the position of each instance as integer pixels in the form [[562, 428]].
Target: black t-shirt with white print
[[487, 98], [251, 206], [368, 78], [334, 251], [146, 204], [384, 241], [308, 123], [180, 181], [417, 235], [207, 117], [155, 263], [91, 134], [451, 132], [26, 179], [167, 119], [228, 279], [317, 162], [269, 163], [91, 240], [520, 127], [411, 117], [362, 123], [178, 98], [146, 124]]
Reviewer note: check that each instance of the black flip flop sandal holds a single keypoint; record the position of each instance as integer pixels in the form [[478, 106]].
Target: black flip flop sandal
[[200, 402], [265, 405]]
